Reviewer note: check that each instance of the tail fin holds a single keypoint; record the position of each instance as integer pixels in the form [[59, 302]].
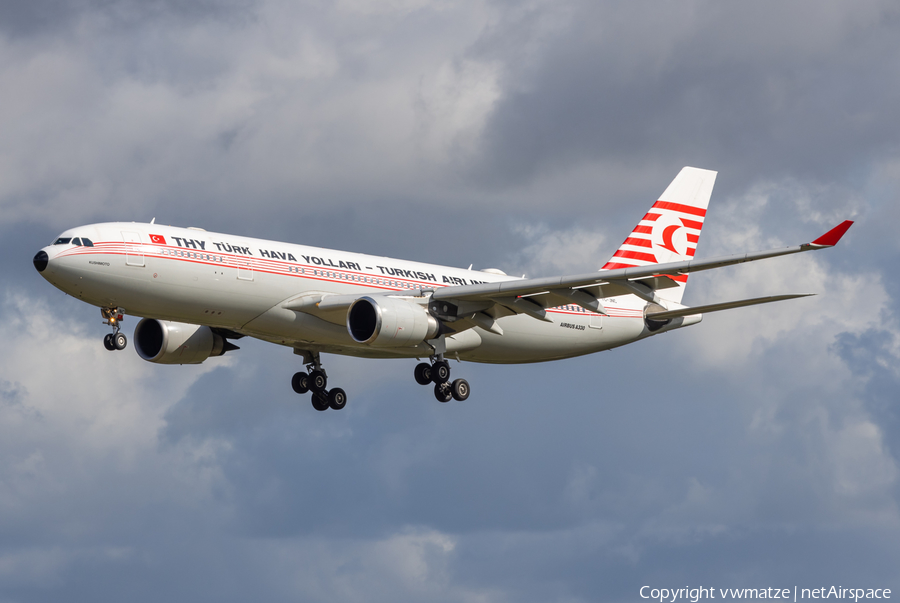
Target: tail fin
[[669, 232]]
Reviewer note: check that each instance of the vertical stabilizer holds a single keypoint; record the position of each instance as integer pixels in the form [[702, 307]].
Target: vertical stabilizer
[[669, 232]]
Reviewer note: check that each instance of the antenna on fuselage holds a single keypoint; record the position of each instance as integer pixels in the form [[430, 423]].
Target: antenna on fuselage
[[153, 220]]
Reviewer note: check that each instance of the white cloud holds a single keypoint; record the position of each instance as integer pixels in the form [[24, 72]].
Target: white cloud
[[79, 431], [548, 252]]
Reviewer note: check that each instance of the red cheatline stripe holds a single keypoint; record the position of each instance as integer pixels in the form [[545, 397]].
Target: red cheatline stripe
[[616, 266], [692, 224], [651, 217], [635, 255], [693, 238], [685, 209], [638, 242], [642, 230]]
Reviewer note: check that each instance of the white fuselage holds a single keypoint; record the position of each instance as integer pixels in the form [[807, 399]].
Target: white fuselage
[[241, 284]]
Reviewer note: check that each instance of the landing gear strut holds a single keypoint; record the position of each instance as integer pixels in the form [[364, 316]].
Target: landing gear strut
[[438, 372], [316, 381], [115, 340]]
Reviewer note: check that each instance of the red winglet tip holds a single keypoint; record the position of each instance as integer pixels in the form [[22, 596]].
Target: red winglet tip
[[831, 238]]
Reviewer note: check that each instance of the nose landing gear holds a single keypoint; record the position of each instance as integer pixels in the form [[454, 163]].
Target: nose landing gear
[[115, 340], [438, 372], [316, 381]]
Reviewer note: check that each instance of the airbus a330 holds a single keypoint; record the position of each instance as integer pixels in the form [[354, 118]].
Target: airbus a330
[[197, 291]]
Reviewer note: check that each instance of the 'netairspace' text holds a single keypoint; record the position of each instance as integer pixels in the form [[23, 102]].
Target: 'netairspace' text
[[791, 594]]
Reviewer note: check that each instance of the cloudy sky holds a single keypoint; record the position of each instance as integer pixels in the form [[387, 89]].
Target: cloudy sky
[[759, 448]]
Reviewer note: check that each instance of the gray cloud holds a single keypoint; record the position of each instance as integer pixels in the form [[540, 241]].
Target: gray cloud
[[54, 17], [749, 90], [758, 448]]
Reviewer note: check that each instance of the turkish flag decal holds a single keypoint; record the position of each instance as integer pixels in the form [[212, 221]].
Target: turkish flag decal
[[158, 239]]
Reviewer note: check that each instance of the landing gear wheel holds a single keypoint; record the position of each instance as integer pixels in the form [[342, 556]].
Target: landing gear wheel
[[119, 341], [459, 389], [300, 382], [318, 381], [337, 398], [423, 373], [440, 372], [108, 342], [442, 392], [319, 401]]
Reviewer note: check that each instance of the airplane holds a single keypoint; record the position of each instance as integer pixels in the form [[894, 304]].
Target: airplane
[[196, 291]]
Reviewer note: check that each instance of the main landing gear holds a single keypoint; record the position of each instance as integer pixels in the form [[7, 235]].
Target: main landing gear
[[315, 381], [438, 372], [115, 340]]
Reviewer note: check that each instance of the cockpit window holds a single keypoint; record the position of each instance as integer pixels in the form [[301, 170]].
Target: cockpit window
[[76, 241], [62, 241], [87, 242]]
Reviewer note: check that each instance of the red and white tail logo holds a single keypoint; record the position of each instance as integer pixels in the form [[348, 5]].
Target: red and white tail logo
[[669, 232]]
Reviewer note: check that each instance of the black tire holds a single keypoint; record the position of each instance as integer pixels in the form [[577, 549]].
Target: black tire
[[119, 341], [423, 373], [337, 398], [318, 381], [442, 392], [108, 342], [319, 401], [460, 389], [440, 372], [300, 382]]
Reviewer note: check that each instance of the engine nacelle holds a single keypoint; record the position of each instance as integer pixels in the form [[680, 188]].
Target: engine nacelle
[[167, 342], [389, 322]]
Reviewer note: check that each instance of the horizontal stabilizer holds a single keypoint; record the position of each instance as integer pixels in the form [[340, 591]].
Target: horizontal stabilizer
[[665, 315]]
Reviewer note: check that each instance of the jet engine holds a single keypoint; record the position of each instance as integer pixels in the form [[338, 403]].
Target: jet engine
[[167, 342], [390, 322]]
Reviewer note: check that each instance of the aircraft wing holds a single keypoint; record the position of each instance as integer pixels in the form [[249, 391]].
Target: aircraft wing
[[333, 307], [482, 303]]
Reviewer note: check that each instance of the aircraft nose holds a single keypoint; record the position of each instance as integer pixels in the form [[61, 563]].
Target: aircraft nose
[[40, 260]]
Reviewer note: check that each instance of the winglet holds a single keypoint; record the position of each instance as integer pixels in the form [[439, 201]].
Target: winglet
[[831, 238]]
